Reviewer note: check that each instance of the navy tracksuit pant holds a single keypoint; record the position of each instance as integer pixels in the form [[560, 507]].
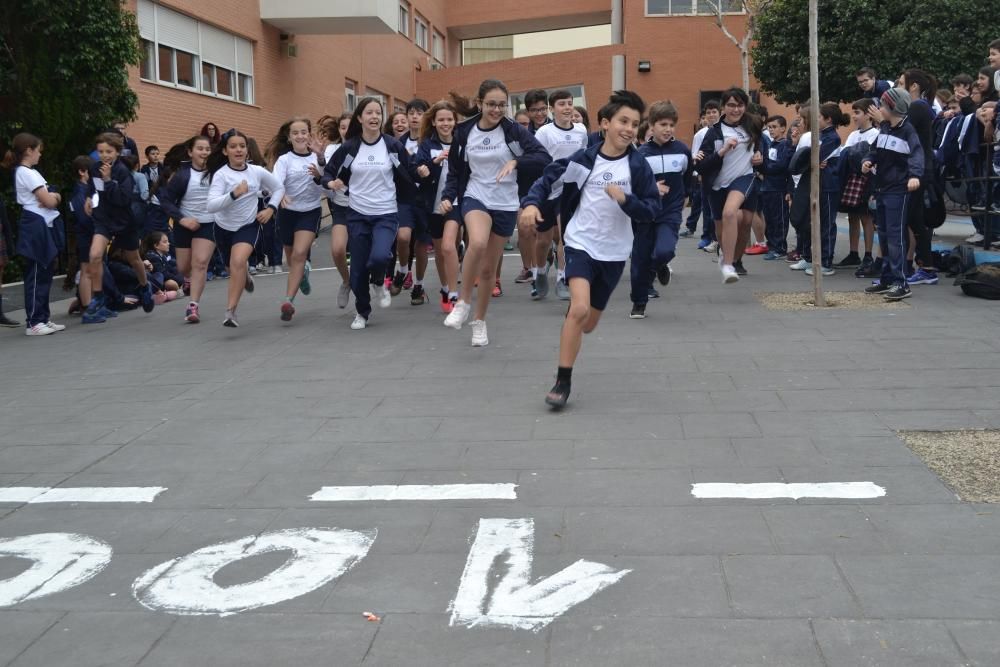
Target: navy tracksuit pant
[[776, 220], [653, 245], [371, 240]]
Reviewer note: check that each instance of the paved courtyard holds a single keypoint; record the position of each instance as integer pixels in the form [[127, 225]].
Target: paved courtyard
[[237, 429]]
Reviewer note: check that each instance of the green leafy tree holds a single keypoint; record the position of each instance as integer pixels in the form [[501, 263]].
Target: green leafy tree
[[64, 75], [942, 37]]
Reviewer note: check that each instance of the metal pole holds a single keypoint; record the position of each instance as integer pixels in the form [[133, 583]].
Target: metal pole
[[617, 37], [817, 243]]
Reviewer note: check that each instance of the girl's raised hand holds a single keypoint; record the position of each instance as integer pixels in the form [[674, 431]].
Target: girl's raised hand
[[507, 170], [423, 171], [241, 189], [263, 217]]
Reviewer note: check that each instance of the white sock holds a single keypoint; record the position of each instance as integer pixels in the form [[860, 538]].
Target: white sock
[[400, 268], [534, 273], [453, 295], [418, 281], [561, 275]]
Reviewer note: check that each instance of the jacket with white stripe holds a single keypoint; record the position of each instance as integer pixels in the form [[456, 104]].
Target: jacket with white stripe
[[403, 172], [642, 204], [671, 163], [898, 156], [524, 148], [829, 152]]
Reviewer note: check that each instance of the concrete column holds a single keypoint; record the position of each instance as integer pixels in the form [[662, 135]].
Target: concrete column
[[617, 37]]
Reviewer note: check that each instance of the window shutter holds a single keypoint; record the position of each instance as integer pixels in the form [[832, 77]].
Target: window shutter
[[244, 56], [176, 30], [147, 19], [218, 47]]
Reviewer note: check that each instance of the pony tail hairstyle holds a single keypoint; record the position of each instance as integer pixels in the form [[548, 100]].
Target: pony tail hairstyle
[[218, 159], [280, 144], [750, 122], [465, 106], [18, 147], [833, 111]]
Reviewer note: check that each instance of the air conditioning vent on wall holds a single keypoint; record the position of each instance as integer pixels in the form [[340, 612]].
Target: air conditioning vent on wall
[[436, 66]]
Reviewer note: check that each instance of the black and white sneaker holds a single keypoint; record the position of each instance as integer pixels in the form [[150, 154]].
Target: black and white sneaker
[[663, 274], [740, 271], [878, 288], [638, 311], [897, 293]]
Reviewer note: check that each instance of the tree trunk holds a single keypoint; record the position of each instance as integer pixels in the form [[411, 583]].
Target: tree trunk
[[817, 244], [745, 67]]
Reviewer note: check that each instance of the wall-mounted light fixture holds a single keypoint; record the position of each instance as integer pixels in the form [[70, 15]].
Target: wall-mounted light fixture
[[645, 65]]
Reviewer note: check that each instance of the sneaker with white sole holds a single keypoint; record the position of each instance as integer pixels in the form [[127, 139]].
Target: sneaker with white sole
[[562, 289], [711, 247], [729, 274], [56, 327], [458, 315], [40, 329], [385, 298], [541, 284], [479, 337], [800, 265], [827, 271], [975, 238], [343, 295], [230, 320], [359, 323]]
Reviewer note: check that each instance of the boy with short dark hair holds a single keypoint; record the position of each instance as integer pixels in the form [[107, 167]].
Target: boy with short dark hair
[[777, 153], [870, 85], [536, 101], [654, 246], [605, 188], [709, 243]]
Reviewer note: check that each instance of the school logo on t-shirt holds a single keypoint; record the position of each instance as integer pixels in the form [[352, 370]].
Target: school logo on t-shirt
[[371, 158], [486, 141], [608, 175]]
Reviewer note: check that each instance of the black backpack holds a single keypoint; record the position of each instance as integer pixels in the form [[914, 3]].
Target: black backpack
[[962, 258], [982, 281]]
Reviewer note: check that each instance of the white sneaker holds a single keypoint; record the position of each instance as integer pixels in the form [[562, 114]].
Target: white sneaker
[[800, 265], [359, 323], [729, 274], [55, 327], [975, 238], [458, 315], [711, 247], [343, 295], [479, 337], [40, 329], [826, 271], [385, 298]]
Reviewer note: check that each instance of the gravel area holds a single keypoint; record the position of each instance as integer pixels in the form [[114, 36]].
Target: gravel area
[[845, 300], [967, 461]]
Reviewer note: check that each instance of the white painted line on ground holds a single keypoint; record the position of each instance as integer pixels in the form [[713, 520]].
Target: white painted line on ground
[[496, 589], [93, 494], [417, 492], [760, 491]]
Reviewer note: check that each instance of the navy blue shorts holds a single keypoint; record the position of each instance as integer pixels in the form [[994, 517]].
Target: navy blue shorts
[[183, 236], [435, 223], [338, 214], [746, 184], [84, 239], [504, 222], [125, 236], [290, 222], [414, 217], [225, 239], [550, 215], [602, 276]]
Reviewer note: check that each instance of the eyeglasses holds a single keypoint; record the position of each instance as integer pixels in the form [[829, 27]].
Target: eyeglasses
[[495, 106], [734, 105], [538, 109]]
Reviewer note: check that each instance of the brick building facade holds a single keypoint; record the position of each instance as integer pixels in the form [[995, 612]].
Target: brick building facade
[[308, 74]]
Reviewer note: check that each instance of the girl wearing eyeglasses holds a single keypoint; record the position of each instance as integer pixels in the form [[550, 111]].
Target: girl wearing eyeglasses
[[487, 150]]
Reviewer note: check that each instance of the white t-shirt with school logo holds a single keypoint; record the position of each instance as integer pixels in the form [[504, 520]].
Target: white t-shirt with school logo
[[736, 162], [561, 143], [372, 190], [599, 226], [487, 153]]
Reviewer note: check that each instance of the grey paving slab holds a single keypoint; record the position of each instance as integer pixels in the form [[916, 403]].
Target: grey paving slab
[[691, 642], [53, 458], [127, 530], [815, 529], [649, 454], [863, 643], [19, 629], [979, 640], [787, 587], [70, 642], [264, 639], [938, 529]]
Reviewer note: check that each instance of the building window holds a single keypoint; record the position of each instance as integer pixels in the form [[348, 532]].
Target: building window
[[438, 46], [183, 52], [371, 92], [350, 95], [689, 7], [420, 32], [404, 19], [398, 107]]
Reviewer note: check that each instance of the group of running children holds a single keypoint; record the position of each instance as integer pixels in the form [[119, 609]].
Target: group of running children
[[601, 197]]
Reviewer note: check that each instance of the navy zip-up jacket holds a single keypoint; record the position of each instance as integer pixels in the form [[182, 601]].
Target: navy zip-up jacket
[[530, 155], [671, 163], [115, 202], [775, 169], [172, 195], [711, 163], [898, 155], [642, 204], [829, 151], [594, 138], [403, 171], [83, 223], [429, 186]]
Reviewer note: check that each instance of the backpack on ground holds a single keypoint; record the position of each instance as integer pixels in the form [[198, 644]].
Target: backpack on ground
[[982, 281]]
